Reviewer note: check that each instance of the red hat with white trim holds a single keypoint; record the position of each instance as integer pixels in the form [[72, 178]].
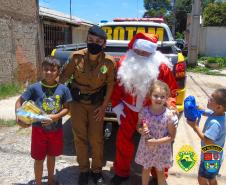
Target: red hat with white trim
[[145, 42]]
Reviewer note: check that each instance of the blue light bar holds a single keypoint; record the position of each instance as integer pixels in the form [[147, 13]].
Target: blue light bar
[[103, 21]]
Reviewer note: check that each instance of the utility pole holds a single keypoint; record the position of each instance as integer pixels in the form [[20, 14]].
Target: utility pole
[[194, 33]]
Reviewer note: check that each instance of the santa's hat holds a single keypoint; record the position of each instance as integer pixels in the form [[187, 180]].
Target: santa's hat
[[145, 42]]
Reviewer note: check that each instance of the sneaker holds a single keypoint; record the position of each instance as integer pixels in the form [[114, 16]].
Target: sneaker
[[83, 178], [117, 180], [98, 178]]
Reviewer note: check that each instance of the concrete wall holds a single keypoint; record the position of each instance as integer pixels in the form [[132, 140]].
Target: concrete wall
[[79, 34], [212, 41], [19, 40]]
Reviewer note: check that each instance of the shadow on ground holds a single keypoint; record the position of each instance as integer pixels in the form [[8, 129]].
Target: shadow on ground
[[69, 176], [109, 154], [109, 144]]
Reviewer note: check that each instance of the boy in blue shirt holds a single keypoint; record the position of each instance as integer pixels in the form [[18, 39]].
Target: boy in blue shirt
[[214, 132], [47, 137]]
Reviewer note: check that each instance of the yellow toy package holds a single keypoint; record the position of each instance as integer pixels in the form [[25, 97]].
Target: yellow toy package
[[29, 113]]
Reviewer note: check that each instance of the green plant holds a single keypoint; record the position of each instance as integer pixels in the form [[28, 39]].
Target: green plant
[[179, 35], [8, 123], [203, 58], [214, 14], [198, 69], [211, 60], [207, 64], [220, 61], [7, 90]]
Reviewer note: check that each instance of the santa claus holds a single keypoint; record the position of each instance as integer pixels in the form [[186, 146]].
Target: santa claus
[[141, 65]]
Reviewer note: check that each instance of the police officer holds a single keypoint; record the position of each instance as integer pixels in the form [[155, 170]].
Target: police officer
[[93, 79]]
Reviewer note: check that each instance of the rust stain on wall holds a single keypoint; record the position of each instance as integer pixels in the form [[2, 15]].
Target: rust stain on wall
[[26, 71]]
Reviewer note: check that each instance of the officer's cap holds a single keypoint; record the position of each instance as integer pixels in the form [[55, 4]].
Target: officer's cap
[[97, 31]]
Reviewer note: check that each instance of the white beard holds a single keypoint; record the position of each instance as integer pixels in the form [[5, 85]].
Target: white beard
[[137, 73]]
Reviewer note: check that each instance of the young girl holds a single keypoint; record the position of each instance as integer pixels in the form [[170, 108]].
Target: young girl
[[157, 130]]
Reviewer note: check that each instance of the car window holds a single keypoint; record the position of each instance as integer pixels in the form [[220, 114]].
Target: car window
[[116, 49], [166, 49]]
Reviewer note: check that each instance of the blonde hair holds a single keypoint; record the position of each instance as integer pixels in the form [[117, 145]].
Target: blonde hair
[[161, 85]]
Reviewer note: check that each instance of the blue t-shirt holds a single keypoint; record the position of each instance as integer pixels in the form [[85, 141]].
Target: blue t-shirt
[[215, 129], [49, 99]]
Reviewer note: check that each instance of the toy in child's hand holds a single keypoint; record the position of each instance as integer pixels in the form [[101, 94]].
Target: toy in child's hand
[[29, 113], [191, 112]]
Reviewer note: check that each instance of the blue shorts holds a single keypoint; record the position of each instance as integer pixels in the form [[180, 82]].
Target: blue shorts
[[205, 173]]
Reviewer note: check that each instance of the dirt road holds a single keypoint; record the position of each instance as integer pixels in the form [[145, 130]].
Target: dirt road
[[17, 166]]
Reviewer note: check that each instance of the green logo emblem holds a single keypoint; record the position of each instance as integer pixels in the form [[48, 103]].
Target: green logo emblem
[[186, 158], [103, 69]]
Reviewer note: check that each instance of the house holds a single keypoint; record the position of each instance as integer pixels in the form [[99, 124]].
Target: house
[[58, 28], [28, 33]]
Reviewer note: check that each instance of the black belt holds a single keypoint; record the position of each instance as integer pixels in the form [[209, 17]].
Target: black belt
[[86, 97], [95, 98]]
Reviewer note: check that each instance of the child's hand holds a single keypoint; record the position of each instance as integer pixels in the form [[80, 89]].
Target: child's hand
[[146, 130], [200, 107], [53, 118], [151, 143], [174, 110], [142, 131], [192, 124], [21, 123]]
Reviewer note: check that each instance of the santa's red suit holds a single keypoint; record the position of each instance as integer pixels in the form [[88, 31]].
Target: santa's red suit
[[128, 106]]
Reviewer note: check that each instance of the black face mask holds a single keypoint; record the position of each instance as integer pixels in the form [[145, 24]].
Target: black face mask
[[94, 48]]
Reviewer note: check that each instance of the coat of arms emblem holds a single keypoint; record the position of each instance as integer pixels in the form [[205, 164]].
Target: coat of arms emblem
[[186, 158], [212, 156]]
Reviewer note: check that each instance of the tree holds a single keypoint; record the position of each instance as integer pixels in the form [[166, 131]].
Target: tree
[[182, 8], [173, 15], [204, 3], [157, 4], [215, 14], [157, 8]]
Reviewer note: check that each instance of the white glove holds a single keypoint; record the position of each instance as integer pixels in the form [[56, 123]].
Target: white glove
[[118, 110]]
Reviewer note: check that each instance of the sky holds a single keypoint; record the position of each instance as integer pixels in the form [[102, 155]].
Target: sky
[[97, 10]]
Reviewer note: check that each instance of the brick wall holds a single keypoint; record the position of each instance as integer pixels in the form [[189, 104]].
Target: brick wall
[[19, 40]]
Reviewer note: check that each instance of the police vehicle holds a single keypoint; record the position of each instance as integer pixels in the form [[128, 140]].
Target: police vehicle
[[119, 32]]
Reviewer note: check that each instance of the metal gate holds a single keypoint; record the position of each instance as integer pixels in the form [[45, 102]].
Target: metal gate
[[56, 34]]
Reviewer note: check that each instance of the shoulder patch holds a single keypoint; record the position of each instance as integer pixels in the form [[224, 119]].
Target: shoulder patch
[[77, 57], [110, 60]]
